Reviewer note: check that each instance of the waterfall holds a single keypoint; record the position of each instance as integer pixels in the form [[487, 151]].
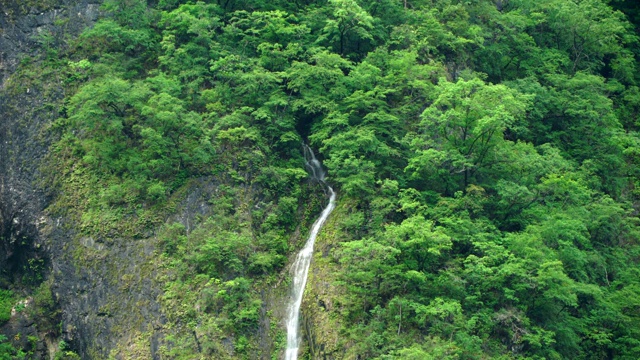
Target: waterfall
[[300, 268]]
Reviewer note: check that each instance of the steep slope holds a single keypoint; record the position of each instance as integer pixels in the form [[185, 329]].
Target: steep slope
[[27, 107], [485, 154]]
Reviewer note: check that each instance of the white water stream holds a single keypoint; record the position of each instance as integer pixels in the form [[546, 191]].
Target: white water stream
[[300, 268]]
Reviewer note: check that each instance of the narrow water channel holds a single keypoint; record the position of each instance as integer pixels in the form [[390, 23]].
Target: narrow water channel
[[300, 268]]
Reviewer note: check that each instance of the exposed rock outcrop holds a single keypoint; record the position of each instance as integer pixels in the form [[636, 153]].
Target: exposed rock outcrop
[[24, 116]]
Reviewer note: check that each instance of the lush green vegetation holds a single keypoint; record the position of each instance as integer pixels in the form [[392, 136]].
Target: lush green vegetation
[[485, 152], [7, 301], [8, 352]]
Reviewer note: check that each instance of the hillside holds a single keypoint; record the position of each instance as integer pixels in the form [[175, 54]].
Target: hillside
[[153, 190]]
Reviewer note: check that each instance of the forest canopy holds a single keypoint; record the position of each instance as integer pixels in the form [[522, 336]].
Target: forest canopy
[[485, 153]]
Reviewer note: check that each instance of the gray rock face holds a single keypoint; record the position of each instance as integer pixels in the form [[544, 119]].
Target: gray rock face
[[22, 118]]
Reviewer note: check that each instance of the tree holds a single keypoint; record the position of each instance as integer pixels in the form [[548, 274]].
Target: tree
[[350, 23], [459, 132]]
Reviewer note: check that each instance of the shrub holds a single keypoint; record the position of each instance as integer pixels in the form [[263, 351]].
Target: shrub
[[6, 303]]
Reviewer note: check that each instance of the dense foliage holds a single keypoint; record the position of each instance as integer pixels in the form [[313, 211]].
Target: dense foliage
[[6, 303], [485, 152]]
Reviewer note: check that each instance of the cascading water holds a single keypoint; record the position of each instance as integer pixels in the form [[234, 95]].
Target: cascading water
[[300, 268]]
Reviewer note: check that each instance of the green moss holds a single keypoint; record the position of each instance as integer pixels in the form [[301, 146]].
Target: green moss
[[45, 310], [138, 346], [17, 8], [321, 307]]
